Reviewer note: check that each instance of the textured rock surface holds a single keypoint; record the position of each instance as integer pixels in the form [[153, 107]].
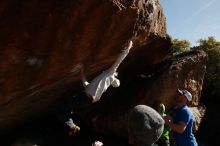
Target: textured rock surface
[[199, 113], [41, 44], [153, 84]]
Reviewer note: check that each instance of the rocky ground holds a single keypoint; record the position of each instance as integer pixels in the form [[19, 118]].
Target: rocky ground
[[49, 132]]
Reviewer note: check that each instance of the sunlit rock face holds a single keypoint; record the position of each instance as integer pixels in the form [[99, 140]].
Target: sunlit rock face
[[41, 44], [149, 85]]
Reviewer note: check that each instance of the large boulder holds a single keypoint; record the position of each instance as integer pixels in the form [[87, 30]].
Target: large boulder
[[153, 84], [42, 42]]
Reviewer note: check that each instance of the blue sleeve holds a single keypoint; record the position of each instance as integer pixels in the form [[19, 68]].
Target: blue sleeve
[[184, 116]]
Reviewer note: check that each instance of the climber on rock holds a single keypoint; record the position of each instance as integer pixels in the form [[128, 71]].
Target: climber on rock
[[93, 91], [100, 84]]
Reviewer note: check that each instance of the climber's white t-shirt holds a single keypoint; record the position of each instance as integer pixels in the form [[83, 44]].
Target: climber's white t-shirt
[[101, 83]]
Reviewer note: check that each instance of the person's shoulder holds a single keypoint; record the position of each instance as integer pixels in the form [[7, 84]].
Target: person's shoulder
[[186, 110]]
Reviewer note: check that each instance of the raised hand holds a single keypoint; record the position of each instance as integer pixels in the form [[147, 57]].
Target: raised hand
[[97, 143], [130, 45]]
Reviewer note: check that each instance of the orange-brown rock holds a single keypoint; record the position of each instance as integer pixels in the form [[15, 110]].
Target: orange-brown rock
[[153, 84], [41, 43]]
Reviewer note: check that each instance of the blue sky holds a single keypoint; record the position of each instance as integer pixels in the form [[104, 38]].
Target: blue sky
[[192, 19]]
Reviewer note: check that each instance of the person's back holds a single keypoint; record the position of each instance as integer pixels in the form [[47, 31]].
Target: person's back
[[184, 114]]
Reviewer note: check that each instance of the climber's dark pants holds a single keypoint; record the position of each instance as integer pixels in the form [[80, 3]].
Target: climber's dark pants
[[66, 111]]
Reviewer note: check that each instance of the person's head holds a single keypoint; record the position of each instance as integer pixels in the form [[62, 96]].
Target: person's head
[[183, 96], [145, 125]]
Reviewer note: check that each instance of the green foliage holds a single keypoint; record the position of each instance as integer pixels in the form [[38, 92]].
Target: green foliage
[[212, 78], [179, 46], [206, 44]]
